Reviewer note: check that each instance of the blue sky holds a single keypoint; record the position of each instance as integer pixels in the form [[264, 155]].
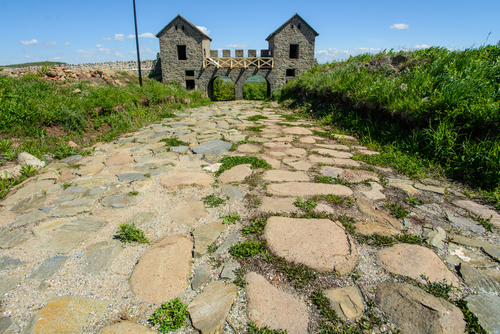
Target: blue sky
[[95, 31]]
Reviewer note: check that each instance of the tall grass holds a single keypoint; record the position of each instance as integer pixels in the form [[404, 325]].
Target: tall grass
[[439, 105]]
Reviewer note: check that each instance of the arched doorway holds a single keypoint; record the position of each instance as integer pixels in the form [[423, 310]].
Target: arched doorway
[[256, 88], [221, 88]]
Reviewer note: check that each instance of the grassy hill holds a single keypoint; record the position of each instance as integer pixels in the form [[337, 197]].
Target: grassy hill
[[39, 63], [431, 108]]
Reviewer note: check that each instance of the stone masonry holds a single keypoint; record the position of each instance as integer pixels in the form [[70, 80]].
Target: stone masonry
[[184, 50]]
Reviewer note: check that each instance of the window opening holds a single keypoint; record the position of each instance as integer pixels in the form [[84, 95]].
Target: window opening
[[290, 72], [182, 28], [190, 73], [294, 51], [190, 84], [181, 52], [175, 27]]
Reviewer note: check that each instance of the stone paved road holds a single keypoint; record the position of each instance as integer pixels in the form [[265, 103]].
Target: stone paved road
[[63, 270]]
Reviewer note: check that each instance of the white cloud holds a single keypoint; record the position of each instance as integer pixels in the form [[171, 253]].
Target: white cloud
[[48, 45], [104, 50], [150, 35], [204, 30], [370, 50], [150, 41], [56, 58], [86, 53], [119, 37], [145, 49], [331, 54], [67, 43], [423, 46], [28, 57], [239, 46], [33, 41], [129, 36], [400, 26], [105, 39], [99, 45]]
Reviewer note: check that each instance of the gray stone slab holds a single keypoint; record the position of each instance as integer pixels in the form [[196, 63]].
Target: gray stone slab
[[492, 251], [465, 224], [48, 268], [140, 218], [69, 194], [71, 234], [123, 141], [131, 177], [119, 201], [28, 204], [7, 262], [8, 283], [212, 147], [229, 268], [180, 133], [72, 208], [231, 191], [71, 159], [7, 326], [13, 238], [179, 149], [99, 256], [139, 148], [31, 217], [200, 277], [486, 308], [47, 209], [230, 240]]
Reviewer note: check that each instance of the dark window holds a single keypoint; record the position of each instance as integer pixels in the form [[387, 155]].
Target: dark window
[[175, 27], [298, 26], [294, 51], [292, 26], [290, 72], [182, 27], [190, 84], [181, 52], [189, 73]]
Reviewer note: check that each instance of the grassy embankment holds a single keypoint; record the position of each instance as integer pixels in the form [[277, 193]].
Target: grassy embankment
[[39, 63], [437, 110], [40, 117]]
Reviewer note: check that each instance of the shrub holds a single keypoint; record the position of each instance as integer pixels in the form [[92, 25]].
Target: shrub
[[170, 316]]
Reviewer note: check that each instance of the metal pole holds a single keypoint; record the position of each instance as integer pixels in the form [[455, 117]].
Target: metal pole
[[137, 43]]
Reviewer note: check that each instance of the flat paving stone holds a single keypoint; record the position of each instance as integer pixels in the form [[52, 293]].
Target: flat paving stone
[[27, 191], [480, 210], [359, 175], [414, 261], [296, 152], [209, 309], [188, 212], [248, 148], [125, 327], [434, 189], [131, 177], [333, 153], [374, 193], [119, 159], [186, 180], [231, 192], [140, 218], [486, 308], [119, 201], [371, 228], [71, 234], [346, 162], [205, 235], [236, 174], [297, 131], [212, 147], [7, 262], [282, 176], [274, 204], [48, 268], [33, 216], [201, 276], [99, 256], [415, 311], [299, 165], [465, 224], [28, 204], [270, 307], [8, 283], [228, 242], [318, 243], [478, 279], [13, 238], [348, 302], [72, 208], [229, 268], [66, 314], [308, 189], [46, 227], [162, 272], [334, 147]]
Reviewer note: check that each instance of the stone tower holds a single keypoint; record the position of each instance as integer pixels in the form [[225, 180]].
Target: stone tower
[[185, 56]]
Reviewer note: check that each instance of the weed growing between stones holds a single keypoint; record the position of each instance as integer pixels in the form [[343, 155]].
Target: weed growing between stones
[[397, 210], [486, 223], [413, 201], [346, 221], [331, 180], [169, 142], [7, 183], [133, 193], [170, 316], [438, 289], [253, 329], [471, 321], [255, 128], [29, 171], [306, 206], [247, 249], [231, 218], [230, 162], [212, 201], [378, 240], [240, 277], [75, 166], [257, 227], [252, 201], [130, 233], [212, 248], [298, 274], [256, 118]]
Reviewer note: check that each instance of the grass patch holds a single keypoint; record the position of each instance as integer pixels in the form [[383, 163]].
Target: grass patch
[[133, 193], [247, 249], [230, 162], [170, 316], [297, 273], [331, 180], [255, 128], [257, 227], [397, 210], [240, 277], [471, 321], [486, 223], [413, 201], [212, 201], [290, 118], [306, 206], [231, 218], [253, 329], [130, 233], [212, 248], [256, 118], [378, 240], [174, 142], [29, 171]]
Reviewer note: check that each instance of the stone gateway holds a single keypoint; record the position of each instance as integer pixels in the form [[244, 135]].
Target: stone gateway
[[186, 57]]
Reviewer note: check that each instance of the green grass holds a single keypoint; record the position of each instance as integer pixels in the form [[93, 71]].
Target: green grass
[[230, 162], [486, 223], [38, 63], [253, 329], [256, 118], [230, 218], [255, 90], [413, 201], [170, 316], [378, 240], [397, 210], [331, 180], [299, 274], [307, 205], [130, 233], [212, 201], [435, 112], [174, 142], [256, 227], [247, 249], [255, 128]]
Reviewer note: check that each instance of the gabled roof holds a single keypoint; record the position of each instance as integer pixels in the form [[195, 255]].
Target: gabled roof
[[286, 23], [187, 22]]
